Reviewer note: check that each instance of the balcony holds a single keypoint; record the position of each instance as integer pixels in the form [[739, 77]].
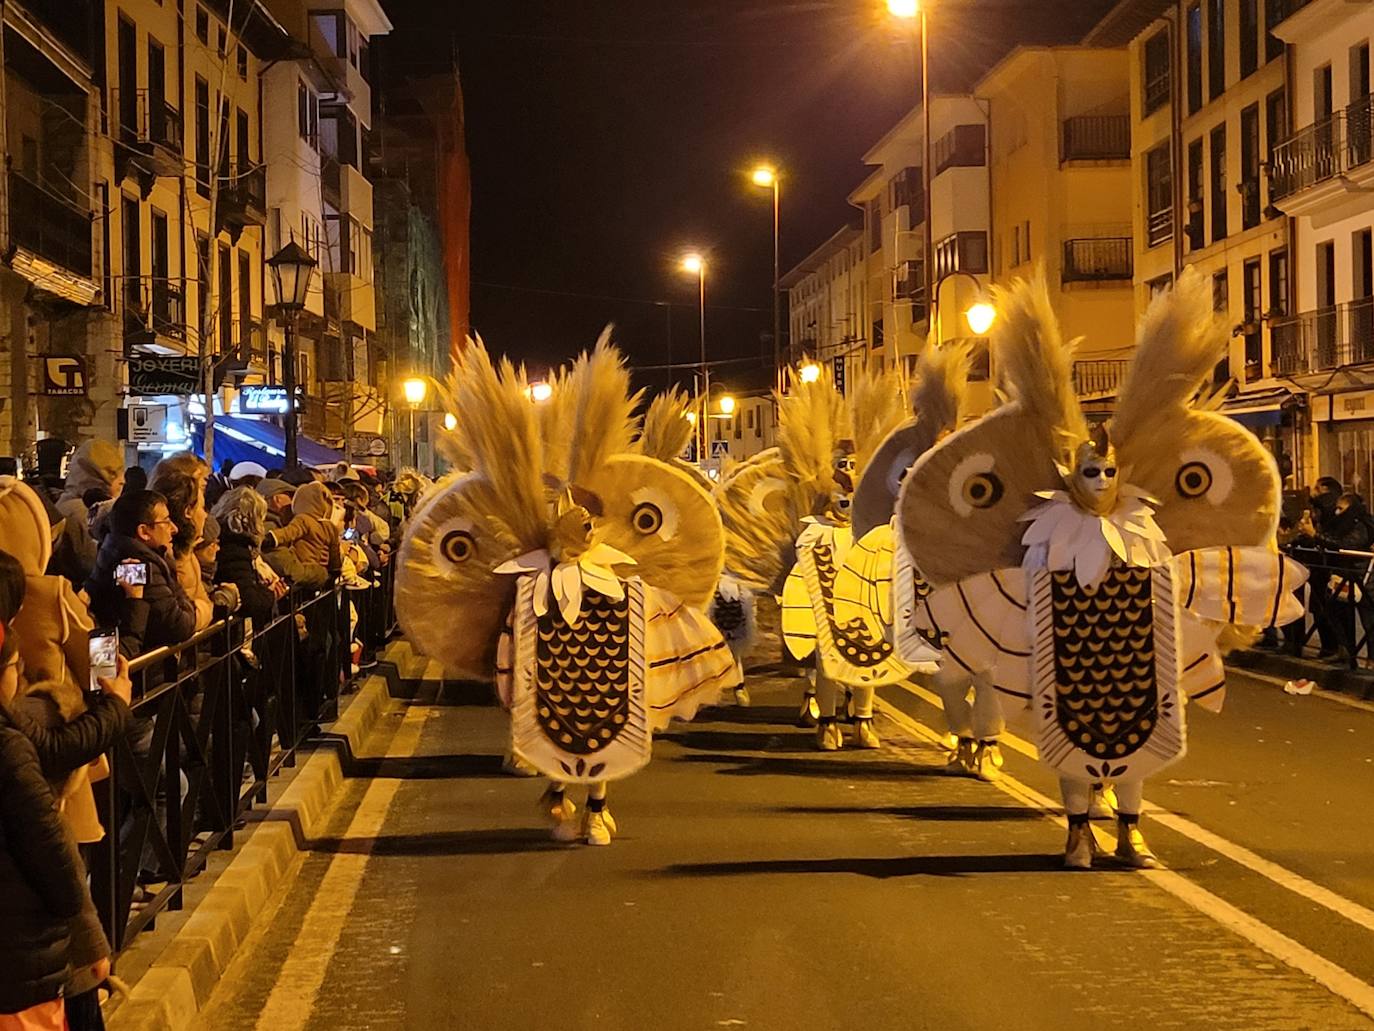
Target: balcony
[[49, 226], [1096, 138], [153, 310], [1324, 340], [1159, 226], [1326, 160], [147, 134], [1098, 260], [909, 287], [243, 199], [1099, 377]]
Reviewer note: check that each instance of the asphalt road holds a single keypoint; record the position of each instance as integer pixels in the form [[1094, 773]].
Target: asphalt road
[[760, 884]]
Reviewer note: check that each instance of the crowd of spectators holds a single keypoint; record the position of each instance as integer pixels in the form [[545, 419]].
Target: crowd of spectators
[[158, 557]]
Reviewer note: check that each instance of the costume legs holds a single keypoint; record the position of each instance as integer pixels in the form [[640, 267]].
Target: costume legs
[[978, 724], [1081, 847], [829, 737], [597, 826]]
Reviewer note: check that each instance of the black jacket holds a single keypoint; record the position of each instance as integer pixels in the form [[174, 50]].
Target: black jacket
[[236, 567], [42, 883], [62, 747], [164, 616]]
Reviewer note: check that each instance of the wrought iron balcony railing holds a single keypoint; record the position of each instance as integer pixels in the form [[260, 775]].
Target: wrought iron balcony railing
[[49, 226], [1096, 138], [1098, 259], [1099, 377], [1323, 150], [1324, 339]]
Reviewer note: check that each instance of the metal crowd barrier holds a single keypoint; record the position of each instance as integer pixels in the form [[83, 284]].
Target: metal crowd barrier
[[214, 719], [1338, 607]]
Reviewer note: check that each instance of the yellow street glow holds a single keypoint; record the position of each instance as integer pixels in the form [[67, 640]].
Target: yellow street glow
[[764, 176], [415, 390], [810, 372], [450, 422], [690, 417], [540, 392], [727, 405], [693, 263], [980, 317], [904, 8]]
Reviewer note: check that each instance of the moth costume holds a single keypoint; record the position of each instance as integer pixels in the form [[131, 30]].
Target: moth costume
[[1093, 575], [787, 520], [571, 569], [884, 586]]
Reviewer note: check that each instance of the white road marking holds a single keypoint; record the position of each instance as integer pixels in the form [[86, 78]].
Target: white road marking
[[1333, 978], [1317, 692], [292, 1001], [1252, 861]]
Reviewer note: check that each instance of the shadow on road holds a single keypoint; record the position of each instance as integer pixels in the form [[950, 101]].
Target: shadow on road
[[820, 765], [881, 869], [951, 813], [448, 843], [426, 767], [784, 740]]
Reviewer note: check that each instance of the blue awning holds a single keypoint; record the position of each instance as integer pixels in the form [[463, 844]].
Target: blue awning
[[256, 440], [1257, 410]]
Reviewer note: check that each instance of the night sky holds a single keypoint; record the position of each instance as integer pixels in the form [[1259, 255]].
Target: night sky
[[607, 136]]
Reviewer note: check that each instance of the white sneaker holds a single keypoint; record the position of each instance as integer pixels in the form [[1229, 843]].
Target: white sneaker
[[597, 827], [1131, 848], [742, 696], [1080, 847], [864, 734], [987, 761], [810, 714], [561, 814], [960, 762], [829, 737]]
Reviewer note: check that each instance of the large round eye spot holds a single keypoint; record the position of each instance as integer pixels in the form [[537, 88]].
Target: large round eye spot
[[647, 518], [974, 485], [1203, 473], [457, 546]]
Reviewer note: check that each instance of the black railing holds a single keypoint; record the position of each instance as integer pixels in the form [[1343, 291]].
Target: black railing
[[1099, 377], [1096, 138], [1098, 259], [1323, 150], [214, 719], [169, 310], [1159, 226], [49, 226], [1157, 91], [146, 117], [246, 186], [1324, 339], [1338, 607]]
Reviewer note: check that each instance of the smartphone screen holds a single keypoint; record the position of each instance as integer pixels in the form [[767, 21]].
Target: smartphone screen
[[132, 573], [104, 654], [350, 534]]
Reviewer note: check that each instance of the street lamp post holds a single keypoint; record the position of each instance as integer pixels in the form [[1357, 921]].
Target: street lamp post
[[766, 175], [980, 315], [695, 264], [915, 10], [415, 390], [292, 268]]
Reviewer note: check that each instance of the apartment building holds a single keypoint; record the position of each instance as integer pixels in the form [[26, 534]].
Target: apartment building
[[1321, 176], [746, 431], [58, 375], [826, 303], [1060, 144], [1208, 106]]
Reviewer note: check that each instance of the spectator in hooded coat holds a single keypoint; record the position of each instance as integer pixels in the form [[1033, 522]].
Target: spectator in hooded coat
[[97, 465], [242, 515], [312, 533]]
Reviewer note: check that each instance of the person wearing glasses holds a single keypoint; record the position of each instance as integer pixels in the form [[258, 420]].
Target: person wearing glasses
[[157, 612]]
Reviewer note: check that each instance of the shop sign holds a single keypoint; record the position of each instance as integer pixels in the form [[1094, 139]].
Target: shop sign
[[264, 400], [839, 374], [148, 424], [368, 445], [153, 375], [64, 375]]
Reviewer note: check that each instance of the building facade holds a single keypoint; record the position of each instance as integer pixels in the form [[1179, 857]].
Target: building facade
[[827, 303]]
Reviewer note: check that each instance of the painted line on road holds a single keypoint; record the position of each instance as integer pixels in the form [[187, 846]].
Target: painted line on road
[[1357, 914], [1335, 979], [292, 1002]]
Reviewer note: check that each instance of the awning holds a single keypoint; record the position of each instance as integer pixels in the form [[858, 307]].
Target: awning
[[1262, 408], [255, 440]]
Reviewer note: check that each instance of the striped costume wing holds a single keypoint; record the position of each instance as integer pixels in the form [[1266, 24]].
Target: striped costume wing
[[1238, 586], [865, 594], [914, 640], [982, 625], [798, 619], [687, 662]]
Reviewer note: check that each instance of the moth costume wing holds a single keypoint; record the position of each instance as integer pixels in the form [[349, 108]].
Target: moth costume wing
[[863, 612], [734, 613], [761, 512], [798, 616]]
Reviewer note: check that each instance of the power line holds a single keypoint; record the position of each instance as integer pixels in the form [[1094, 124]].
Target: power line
[[515, 288]]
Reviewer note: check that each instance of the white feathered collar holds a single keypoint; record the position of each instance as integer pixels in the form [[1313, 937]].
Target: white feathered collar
[[566, 581], [1062, 536]]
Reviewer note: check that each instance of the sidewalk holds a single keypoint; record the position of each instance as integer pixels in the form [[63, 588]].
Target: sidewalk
[[1358, 683]]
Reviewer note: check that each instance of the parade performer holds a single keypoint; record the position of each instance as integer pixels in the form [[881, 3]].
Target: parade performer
[[794, 504], [573, 571], [1094, 575]]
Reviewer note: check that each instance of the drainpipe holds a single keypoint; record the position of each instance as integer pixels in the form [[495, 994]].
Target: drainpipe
[[1175, 19], [1290, 241]]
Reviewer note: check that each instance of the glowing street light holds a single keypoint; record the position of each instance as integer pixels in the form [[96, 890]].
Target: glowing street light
[[980, 315], [415, 390], [727, 405], [540, 392], [764, 175], [903, 8], [810, 372], [450, 422], [693, 263]]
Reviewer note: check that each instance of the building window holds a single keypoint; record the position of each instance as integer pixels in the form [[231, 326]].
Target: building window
[[202, 285], [307, 114], [242, 59], [875, 225], [962, 252], [1194, 223], [964, 146], [1015, 246], [131, 224], [1158, 285], [1273, 14], [1278, 284], [1275, 126], [1194, 57], [1221, 293], [1254, 303], [1249, 37], [1216, 49], [1159, 196], [222, 42], [1218, 190], [1026, 238], [1250, 167], [225, 301], [1156, 71], [202, 25], [245, 341], [202, 137]]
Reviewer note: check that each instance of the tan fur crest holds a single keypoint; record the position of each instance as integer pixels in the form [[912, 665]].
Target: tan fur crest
[[877, 403], [813, 420], [665, 431], [596, 411], [761, 513], [942, 383]]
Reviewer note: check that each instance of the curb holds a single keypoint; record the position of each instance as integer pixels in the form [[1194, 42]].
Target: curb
[[1357, 683], [180, 981]]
